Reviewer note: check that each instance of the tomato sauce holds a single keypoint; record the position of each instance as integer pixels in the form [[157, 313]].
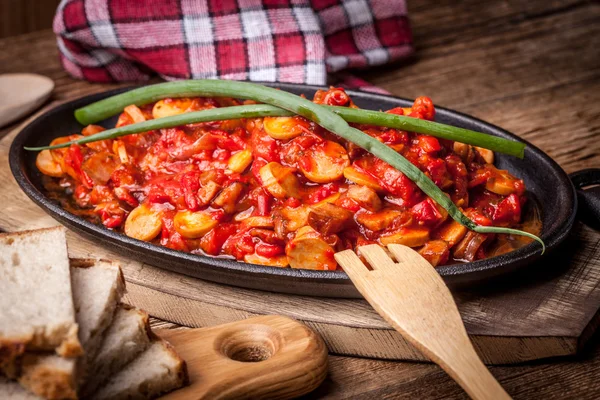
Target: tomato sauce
[[282, 191]]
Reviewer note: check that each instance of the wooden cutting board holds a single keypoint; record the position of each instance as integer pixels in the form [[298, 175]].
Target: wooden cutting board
[[549, 310]]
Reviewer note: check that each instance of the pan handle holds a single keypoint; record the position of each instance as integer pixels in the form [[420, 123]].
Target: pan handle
[[586, 183]]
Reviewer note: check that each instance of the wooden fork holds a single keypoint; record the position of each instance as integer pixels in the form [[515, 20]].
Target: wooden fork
[[412, 297]]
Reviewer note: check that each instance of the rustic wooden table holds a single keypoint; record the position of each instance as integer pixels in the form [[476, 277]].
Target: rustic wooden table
[[531, 67]]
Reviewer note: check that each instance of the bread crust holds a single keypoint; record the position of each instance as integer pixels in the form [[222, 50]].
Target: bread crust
[[10, 235], [10, 351], [70, 347], [41, 340], [48, 382], [182, 373], [145, 318]]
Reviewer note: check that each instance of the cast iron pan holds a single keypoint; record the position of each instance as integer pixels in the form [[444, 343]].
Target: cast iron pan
[[546, 182]]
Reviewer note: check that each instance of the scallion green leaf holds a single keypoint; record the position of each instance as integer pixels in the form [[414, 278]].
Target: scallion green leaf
[[365, 117]]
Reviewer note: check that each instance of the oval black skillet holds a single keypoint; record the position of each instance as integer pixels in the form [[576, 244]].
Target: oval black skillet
[[545, 181]]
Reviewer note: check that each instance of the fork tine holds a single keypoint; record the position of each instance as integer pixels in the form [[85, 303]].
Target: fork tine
[[405, 254], [352, 265], [377, 257]]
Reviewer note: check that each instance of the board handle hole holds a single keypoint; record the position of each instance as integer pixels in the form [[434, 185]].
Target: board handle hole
[[255, 343]]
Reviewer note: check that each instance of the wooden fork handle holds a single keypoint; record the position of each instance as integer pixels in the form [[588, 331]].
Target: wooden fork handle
[[456, 355], [466, 368], [412, 297]]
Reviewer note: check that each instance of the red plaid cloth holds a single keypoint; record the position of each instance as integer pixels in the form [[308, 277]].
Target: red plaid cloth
[[298, 41]]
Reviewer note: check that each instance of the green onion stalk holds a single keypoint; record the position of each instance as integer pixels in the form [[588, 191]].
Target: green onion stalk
[[330, 118], [364, 117]]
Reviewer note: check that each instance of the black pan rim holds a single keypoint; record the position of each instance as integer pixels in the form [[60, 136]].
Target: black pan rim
[[529, 252]]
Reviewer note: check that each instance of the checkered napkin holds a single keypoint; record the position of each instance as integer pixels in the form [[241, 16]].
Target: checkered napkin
[[298, 41]]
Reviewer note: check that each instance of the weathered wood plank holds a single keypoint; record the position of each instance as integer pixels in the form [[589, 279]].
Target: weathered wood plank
[[530, 67], [564, 121], [22, 16], [484, 64], [358, 378], [436, 23]]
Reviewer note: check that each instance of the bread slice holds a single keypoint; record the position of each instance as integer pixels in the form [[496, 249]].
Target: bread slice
[[97, 288], [36, 305], [126, 338], [156, 371], [11, 390]]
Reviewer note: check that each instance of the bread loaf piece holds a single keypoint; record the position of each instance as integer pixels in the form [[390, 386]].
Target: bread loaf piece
[[36, 305], [69, 310], [126, 338], [156, 371], [97, 288]]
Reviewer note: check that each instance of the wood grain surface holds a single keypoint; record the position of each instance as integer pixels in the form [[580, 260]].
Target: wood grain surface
[[531, 67], [266, 357], [23, 16]]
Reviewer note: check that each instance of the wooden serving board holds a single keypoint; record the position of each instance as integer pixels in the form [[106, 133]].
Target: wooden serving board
[[223, 361], [548, 310]]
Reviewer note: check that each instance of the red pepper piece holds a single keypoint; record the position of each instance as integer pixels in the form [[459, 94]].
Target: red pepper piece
[[394, 136], [348, 204], [81, 194], [239, 244], [74, 158], [415, 114], [113, 222], [190, 184], [336, 97], [436, 169], [426, 212], [263, 203], [170, 237], [424, 106], [165, 190], [213, 241], [292, 202], [268, 250], [125, 196], [226, 141], [257, 164], [323, 192], [264, 146], [390, 179], [508, 211], [397, 111], [219, 215], [246, 245], [477, 217], [480, 177], [428, 144]]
